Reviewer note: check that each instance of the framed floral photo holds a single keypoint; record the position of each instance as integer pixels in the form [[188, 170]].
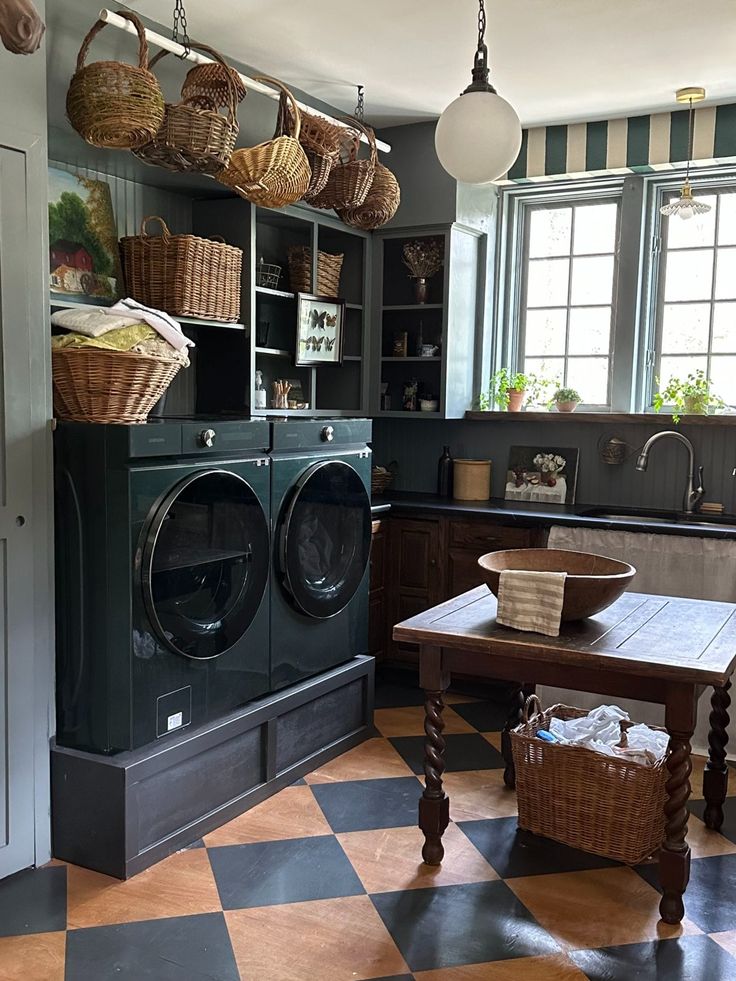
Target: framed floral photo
[[542, 474], [319, 335]]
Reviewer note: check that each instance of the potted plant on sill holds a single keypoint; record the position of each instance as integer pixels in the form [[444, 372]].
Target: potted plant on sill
[[692, 397], [566, 399], [513, 390]]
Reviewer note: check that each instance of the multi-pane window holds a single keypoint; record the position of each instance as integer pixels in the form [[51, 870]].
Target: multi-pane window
[[567, 289], [696, 308]]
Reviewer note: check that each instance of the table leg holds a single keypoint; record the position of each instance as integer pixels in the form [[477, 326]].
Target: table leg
[[518, 700], [674, 858], [715, 778], [434, 804]]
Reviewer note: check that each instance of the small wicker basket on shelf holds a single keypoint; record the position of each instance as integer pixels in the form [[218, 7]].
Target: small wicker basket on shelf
[[185, 275], [605, 805], [382, 478], [95, 385], [329, 267], [111, 104]]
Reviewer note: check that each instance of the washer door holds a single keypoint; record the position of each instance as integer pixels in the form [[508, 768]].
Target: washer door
[[205, 564], [325, 539]]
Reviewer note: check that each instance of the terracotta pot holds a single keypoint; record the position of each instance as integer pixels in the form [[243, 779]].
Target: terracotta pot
[[695, 406], [566, 406], [516, 399]]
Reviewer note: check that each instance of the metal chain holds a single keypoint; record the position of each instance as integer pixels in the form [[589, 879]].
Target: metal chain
[[180, 20], [481, 23], [360, 108]]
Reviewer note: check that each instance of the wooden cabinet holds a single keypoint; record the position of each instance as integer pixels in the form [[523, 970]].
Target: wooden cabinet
[[377, 622], [434, 558]]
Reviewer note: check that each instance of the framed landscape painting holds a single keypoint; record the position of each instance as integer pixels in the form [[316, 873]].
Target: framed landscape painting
[[84, 263]]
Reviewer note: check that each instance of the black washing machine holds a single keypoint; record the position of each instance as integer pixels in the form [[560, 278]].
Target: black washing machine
[[162, 570], [320, 501]]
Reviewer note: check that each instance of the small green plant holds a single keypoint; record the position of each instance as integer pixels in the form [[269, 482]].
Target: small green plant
[[693, 396], [505, 381], [566, 395]]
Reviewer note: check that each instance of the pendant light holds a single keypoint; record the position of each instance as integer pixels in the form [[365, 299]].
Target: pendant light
[[686, 205], [478, 136]]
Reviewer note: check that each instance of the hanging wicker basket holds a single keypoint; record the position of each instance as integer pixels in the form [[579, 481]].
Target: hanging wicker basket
[[329, 268], [94, 385], [350, 179], [321, 140], [194, 136], [214, 83], [380, 205], [275, 173], [111, 104], [185, 275]]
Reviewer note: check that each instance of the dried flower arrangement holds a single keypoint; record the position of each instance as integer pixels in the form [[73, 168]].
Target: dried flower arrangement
[[423, 257]]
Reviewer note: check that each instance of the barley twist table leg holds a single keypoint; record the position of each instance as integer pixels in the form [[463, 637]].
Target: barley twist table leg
[[674, 860], [434, 805], [715, 777]]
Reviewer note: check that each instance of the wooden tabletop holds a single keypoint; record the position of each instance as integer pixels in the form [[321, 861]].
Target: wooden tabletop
[[666, 637]]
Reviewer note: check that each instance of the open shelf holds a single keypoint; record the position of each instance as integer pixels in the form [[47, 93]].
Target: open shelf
[[190, 321], [405, 414], [275, 352], [413, 306], [278, 294], [434, 358]]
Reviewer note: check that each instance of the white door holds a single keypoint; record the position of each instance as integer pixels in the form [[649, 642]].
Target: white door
[[17, 710]]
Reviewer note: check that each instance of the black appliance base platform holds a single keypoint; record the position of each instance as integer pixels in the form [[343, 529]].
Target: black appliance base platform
[[121, 814]]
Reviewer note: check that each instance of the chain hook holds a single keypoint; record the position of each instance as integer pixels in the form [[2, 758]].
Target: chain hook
[[360, 108], [180, 20]]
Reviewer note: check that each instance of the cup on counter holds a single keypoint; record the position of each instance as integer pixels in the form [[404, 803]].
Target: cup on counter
[[428, 350]]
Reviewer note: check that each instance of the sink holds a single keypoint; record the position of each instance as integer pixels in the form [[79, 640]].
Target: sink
[[727, 522]]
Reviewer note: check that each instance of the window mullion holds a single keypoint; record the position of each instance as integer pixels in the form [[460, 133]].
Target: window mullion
[[569, 298], [711, 321]]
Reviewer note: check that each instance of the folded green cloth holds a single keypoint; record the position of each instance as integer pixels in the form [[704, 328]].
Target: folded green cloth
[[120, 339]]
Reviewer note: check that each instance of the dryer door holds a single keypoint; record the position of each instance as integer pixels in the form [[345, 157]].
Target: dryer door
[[325, 538], [205, 564]]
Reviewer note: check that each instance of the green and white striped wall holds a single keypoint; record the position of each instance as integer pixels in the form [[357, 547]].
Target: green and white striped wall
[[635, 144]]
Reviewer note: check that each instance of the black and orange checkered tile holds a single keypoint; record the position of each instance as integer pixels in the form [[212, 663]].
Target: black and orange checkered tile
[[324, 882]]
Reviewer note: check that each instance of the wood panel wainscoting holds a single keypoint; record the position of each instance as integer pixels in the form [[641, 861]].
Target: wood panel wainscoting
[[425, 561]]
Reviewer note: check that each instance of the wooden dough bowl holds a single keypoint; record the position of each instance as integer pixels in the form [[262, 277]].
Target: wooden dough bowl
[[593, 581]]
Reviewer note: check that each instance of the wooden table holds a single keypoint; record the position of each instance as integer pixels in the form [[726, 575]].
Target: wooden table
[[654, 648]]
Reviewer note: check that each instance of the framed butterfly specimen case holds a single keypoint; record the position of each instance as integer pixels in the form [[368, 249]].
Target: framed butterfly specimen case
[[319, 331]]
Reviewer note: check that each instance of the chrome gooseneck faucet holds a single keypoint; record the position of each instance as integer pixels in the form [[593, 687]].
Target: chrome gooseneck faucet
[[693, 494]]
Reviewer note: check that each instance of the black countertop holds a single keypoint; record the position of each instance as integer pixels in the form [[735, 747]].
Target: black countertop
[[524, 514]]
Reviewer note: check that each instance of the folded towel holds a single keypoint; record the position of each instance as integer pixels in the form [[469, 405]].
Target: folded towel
[[166, 326], [531, 600], [90, 321]]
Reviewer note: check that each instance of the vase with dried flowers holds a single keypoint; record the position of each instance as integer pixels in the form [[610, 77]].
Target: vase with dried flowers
[[423, 257]]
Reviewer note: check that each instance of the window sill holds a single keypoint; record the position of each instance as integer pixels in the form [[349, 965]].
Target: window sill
[[646, 418]]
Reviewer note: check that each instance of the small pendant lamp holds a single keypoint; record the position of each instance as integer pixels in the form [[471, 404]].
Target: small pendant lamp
[[686, 205], [478, 136]]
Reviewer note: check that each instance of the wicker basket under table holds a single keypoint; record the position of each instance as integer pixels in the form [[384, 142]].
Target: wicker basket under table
[[605, 805]]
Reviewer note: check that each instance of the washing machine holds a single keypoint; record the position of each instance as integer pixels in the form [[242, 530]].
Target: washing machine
[[162, 571], [321, 507]]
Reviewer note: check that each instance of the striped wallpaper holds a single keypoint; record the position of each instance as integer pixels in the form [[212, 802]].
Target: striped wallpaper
[[637, 143]]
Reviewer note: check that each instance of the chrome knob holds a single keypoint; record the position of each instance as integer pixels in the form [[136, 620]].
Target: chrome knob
[[327, 434], [207, 437]]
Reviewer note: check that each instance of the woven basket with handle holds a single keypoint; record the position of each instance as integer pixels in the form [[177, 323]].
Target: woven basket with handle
[[275, 173], [185, 275], [329, 267], [214, 83], [321, 140], [95, 385], [380, 205], [194, 135], [351, 178], [111, 104], [606, 805]]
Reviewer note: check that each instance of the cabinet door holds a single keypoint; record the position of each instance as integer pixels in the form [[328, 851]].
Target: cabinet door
[[468, 540], [377, 621], [416, 580]]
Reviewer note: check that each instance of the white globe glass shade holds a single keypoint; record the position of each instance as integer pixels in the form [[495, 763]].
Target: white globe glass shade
[[478, 137]]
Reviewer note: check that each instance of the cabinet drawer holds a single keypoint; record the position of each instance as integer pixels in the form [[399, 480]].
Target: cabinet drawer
[[487, 535]]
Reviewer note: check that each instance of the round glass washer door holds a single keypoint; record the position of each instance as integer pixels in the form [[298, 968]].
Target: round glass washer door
[[325, 539], [205, 564]]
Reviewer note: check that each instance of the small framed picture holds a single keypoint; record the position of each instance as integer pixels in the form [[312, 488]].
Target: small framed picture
[[319, 331]]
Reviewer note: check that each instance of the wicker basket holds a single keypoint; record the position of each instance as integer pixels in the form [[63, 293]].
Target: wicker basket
[[185, 275], [321, 140], [213, 83], [111, 104], [350, 179], [275, 173], [600, 804], [94, 385], [380, 204], [194, 136], [382, 478], [329, 268], [320, 167]]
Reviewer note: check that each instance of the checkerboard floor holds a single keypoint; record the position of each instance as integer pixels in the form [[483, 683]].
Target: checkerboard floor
[[324, 882]]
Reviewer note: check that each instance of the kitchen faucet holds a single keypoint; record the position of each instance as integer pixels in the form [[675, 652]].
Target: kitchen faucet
[[693, 495]]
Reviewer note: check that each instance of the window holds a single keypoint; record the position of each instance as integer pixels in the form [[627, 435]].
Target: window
[[568, 270], [695, 305]]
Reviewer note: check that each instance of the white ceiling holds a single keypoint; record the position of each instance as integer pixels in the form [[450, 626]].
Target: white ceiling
[[554, 60]]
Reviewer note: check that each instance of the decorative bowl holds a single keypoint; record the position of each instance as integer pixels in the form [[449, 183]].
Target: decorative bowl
[[593, 581]]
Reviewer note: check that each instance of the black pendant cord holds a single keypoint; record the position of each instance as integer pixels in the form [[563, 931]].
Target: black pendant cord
[[690, 134], [180, 21]]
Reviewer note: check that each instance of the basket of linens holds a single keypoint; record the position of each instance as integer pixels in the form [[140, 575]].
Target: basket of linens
[[109, 367]]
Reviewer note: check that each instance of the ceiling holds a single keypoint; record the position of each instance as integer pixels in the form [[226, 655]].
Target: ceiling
[[554, 60]]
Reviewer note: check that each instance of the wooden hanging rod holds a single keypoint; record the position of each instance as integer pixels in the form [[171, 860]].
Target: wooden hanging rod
[[110, 17]]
